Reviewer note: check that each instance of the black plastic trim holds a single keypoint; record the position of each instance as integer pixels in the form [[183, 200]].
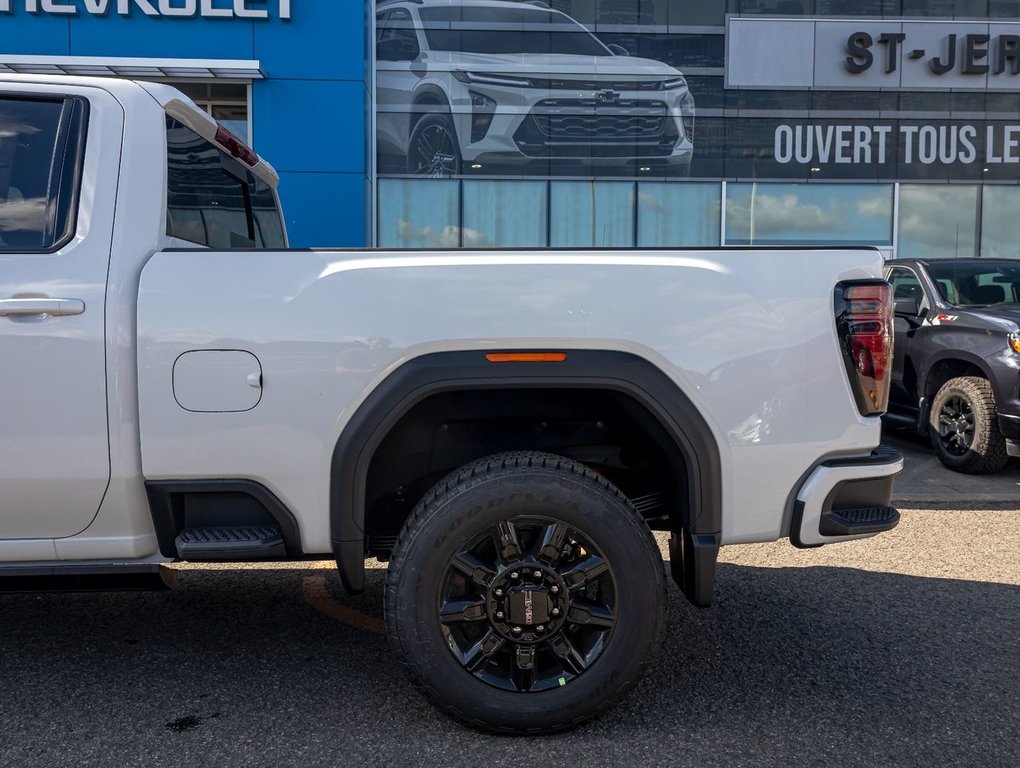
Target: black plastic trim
[[692, 561], [168, 519], [429, 375], [851, 522], [860, 489], [1009, 426]]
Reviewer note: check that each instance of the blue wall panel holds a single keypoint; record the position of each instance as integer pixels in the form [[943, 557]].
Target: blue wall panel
[[307, 125], [324, 40], [139, 35], [324, 209], [35, 36]]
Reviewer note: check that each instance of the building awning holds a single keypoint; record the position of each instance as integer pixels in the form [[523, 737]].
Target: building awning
[[103, 66]]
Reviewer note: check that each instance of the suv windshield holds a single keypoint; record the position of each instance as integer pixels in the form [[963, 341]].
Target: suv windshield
[[977, 285], [508, 30]]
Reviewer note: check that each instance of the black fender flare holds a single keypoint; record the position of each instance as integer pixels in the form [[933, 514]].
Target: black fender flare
[[432, 374]]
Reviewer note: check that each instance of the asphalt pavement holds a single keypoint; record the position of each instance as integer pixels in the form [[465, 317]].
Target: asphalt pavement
[[895, 651]]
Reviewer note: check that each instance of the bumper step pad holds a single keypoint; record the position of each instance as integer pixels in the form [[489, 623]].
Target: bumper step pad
[[240, 543], [847, 522]]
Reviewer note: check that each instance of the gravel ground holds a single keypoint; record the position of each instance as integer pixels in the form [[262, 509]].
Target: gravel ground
[[900, 650]]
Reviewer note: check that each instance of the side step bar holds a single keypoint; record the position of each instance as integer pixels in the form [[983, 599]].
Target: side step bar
[[847, 522], [239, 543]]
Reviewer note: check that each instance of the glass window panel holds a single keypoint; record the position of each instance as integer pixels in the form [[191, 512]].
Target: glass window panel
[[937, 221], [673, 214], [1000, 224], [208, 203], [809, 214], [30, 155], [419, 213], [697, 12], [778, 7], [505, 214], [592, 213]]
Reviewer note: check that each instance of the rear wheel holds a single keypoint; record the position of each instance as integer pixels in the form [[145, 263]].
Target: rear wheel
[[964, 428], [525, 594]]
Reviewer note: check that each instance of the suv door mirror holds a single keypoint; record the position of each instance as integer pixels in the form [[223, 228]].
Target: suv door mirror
[[910, 307]]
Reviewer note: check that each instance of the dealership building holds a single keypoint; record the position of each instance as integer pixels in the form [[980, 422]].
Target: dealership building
[[569, 123]]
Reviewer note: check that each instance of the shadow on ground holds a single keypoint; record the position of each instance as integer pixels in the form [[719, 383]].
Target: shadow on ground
[[805, 666]]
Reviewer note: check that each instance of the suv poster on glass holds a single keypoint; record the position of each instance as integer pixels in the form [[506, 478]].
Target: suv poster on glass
[[500, 87]]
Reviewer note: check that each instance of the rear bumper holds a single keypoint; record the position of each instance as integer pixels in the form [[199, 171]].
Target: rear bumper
[[853, 486]]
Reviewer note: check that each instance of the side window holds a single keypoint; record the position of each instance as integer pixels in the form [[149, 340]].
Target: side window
[[905, 285], [42, 147], [397, 39], [208, 195], [266, 214]]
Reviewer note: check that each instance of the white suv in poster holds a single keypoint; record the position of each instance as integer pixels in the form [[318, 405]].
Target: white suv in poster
[[495, 86]]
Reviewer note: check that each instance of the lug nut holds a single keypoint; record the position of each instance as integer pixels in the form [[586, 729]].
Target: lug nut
[[517, 630], [554, 589], [554, 612], [499, 614], [499, 593], [540, 628], [515, 575], [538, 574]]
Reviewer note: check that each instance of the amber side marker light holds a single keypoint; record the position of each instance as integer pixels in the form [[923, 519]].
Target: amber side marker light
[[1014, 342], [526, 357]]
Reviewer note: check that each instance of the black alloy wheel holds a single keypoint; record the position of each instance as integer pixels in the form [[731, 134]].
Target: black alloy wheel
[[529, 605], [956, 425], [525, 594], [964, 427], [433, 150]]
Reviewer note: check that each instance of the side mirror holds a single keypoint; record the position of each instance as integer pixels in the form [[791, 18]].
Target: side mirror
[[618, 50], [910, 307]]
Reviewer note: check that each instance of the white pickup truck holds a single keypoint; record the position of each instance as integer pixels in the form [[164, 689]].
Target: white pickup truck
[[506, 427]]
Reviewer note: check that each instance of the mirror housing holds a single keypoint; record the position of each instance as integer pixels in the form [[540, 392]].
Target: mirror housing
[[910, 307]]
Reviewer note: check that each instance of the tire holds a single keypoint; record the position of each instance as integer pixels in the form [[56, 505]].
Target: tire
[[964, 428], [433, 149], [558, 524]]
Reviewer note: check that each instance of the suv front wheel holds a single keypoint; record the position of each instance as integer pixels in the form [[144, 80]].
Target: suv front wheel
[[964, 428], [433, 149]]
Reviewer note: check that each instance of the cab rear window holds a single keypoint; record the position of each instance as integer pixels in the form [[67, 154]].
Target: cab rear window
[[213, 200]]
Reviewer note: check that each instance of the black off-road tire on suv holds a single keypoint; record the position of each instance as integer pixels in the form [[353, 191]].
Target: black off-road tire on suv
[[432, 148], [525, 594], [964, 428]]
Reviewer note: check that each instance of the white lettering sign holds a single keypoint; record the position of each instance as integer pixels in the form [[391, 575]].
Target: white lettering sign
[[208, 9], [819, 145]]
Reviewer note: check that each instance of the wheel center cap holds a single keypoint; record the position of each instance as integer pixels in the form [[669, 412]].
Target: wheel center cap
[[528, 607]]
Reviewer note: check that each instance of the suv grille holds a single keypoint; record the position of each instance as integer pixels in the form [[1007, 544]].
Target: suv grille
[[582, 127]]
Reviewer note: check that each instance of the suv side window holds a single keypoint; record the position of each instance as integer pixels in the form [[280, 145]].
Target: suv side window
[[397, 39], [213, 200], [42, 147]]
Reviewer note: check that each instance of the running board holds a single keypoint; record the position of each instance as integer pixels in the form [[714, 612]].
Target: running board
[[237, 543], [849, 522]]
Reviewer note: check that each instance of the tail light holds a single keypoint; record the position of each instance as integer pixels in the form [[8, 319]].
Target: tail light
[[864, 325]]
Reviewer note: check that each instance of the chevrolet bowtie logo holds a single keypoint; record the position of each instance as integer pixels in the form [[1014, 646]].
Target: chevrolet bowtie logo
[[607, 96]]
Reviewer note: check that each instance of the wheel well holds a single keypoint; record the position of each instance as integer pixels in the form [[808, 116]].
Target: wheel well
[[423, 103], [944, 370], [606, 430]]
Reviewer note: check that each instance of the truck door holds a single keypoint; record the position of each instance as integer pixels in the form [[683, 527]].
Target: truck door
[[54, 255], [906, 287]]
